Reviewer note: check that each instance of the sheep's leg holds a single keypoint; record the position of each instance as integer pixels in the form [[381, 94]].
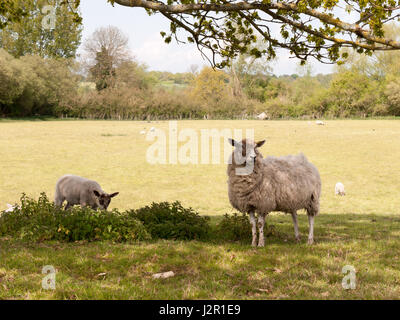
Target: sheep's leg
[[296, 226], [261, 223], [67, 206], [311, 230], [253, 228]]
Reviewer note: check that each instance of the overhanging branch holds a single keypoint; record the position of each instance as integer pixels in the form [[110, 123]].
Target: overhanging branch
[[336, 33]]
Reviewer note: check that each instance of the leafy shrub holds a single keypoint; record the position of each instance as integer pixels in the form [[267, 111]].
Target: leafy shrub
[[34, 85], [42, 220], [392, 95], [172, 221], [234, 228], [237, 228]]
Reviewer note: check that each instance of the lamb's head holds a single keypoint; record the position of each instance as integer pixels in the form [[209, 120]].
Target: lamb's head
[[103, 199], [246, 153]]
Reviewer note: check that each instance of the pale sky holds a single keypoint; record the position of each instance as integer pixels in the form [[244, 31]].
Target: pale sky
[[148, 46]]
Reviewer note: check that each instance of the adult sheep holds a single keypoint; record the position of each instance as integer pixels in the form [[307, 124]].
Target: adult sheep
[[258, 185], [78, 190]]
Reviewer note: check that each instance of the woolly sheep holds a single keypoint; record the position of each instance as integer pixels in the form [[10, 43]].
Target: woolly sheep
[[258, 185], [262, 116], [339, 189], [319, 122], [78, 190]]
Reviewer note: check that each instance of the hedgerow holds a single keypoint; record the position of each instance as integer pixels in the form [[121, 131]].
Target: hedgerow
[[172, 221], [42, 220]]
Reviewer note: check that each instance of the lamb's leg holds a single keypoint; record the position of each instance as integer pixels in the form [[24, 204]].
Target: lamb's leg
[[253, 228], [261, 223], [311, 230], [58, 201], [58, 198], [296, 226]]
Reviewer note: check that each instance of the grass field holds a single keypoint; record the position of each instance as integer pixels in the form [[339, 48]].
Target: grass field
[[364, 155], [361, 229]]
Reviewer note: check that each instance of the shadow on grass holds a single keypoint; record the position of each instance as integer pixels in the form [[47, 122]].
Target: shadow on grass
[[220, 269], [38, 118], [328, 227]]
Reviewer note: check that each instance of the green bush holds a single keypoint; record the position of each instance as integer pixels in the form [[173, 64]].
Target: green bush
[[234, 228], [42, 220], [172, 221], [237, 227], [33, 85]]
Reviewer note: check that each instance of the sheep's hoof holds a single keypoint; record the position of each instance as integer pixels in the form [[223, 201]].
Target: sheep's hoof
[[310, 241], [261, 244]]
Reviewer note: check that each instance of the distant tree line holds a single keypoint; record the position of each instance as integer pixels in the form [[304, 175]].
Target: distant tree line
[[108, 83]]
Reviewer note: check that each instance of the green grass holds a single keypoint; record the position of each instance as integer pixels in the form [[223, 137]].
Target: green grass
[[363, 155], [281, 270], [361, 229]]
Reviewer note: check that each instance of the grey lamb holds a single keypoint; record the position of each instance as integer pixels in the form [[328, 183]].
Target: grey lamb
[[258, 185], [78, 190]]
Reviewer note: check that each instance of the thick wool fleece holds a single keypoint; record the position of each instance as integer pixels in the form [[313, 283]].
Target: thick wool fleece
[[77, 190], [284, 184]]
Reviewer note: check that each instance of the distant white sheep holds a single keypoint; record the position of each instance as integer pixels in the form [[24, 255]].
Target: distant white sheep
[[262, 116], [143, 132], [320, 123], [339, 189], [152, 129], [11, 208]]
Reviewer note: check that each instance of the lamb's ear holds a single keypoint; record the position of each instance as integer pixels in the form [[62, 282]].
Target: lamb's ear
[[260, 143], [233, 142], [96, 193], [112, 195]]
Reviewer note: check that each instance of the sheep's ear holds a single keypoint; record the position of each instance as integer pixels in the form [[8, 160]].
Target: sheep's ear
[[114, 194], [260, 143], [96, 193], [233, 142]]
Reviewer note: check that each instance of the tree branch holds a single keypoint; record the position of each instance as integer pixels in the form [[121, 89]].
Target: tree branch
[[307, 29], [246, 6]]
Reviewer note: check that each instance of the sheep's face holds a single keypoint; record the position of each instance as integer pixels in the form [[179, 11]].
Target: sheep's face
[[246, 151], [103, 200]]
